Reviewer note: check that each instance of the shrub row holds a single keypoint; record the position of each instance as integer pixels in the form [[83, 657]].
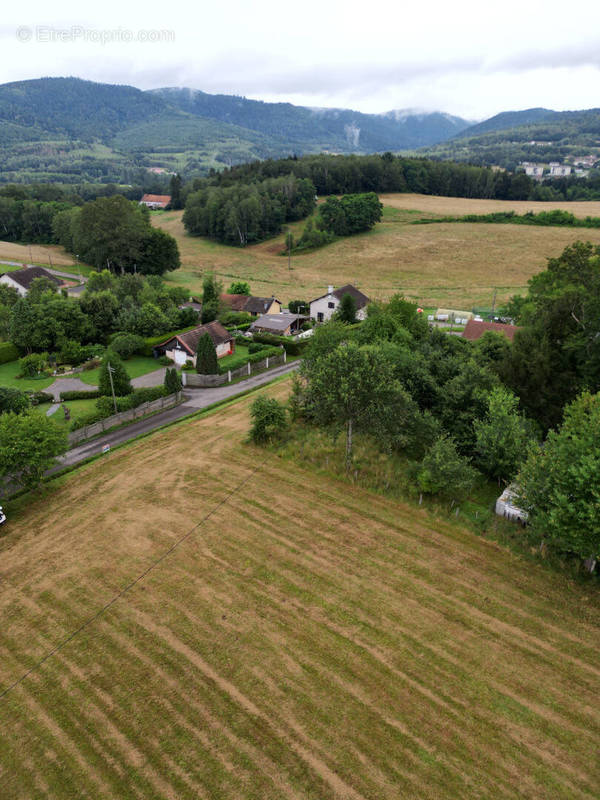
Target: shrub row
[[105, 406], [242, 327], [35, 398], [240, 361], [8, 352], [292, 347], [79, 394]]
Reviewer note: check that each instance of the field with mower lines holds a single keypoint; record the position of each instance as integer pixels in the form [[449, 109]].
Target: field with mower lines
[[303, 641]]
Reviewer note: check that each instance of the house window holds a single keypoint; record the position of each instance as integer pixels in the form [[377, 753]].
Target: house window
[[320, 316], [330, 305]]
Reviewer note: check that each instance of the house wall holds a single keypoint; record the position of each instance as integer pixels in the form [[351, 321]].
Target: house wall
[[8, 281], [274, 308], [321, 306], [224, 349]]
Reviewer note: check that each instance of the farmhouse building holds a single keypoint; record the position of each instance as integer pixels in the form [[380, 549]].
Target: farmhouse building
[[22, 279], [183, 347], [251, 305], [475, 329], [324, 307], [155, 200], [278, 324]]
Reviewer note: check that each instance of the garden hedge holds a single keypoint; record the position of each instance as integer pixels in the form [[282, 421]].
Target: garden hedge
[[151, 342], [8, 352], [240, 361], [79, 394], [292, 347]]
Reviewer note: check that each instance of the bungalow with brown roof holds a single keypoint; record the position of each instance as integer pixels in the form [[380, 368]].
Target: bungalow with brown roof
[[155, 200], [474, 329], [182, 347], [251, 305]]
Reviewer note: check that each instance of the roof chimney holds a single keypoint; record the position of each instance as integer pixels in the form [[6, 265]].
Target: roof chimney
[[330, 290]]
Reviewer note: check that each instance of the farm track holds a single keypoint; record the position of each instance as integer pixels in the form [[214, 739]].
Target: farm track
[[308, 640]]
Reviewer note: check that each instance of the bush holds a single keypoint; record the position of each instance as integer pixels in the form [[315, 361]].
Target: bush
[[172, 381], [8, 352], [87, 419], [13, 400], [36, 398], [291, 346], [106, 406], [79, 394], [235, 318], [240, 361], [256, 347], [120, 382], [93, 363], [165, 361], [443, 471], [71, 352], [127, 344], [33, 364], [269, 420]]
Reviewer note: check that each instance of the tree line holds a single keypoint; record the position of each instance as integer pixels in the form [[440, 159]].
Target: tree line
[[248, 212], [381, 173]]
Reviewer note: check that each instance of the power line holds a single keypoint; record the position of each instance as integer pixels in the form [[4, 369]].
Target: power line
[[130, 585]]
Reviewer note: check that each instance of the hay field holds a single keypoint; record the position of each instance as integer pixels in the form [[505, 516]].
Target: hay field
[[454, 265], [303, 641], [42, 254], [462, 205]]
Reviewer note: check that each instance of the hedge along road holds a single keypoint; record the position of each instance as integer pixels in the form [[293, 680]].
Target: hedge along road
[[196, 399]]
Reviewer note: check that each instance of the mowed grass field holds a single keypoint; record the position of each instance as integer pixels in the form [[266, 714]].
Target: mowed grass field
[[302, 641], [450, 265]]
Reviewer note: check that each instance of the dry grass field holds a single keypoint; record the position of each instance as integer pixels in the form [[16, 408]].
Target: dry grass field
[[42, 254], [452, 265], [303, 641], [461, 205]]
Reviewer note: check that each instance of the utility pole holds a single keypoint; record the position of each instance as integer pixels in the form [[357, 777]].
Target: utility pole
[[289, 241], [112, 386]]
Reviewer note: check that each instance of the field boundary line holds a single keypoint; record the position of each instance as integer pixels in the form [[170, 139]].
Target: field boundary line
[[117, 596]]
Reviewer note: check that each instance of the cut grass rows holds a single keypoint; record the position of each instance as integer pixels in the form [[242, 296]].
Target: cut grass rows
[[305, 642]]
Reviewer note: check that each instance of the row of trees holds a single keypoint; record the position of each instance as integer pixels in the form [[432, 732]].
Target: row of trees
[[246, 213], [381, 173]]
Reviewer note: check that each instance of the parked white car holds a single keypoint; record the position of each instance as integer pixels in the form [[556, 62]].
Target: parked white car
[[2, 516]]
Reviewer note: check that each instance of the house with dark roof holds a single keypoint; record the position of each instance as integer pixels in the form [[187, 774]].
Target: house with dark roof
[[474, 329], [324, 307], [182, 347], [21, 279], [278, 324], [155, 200], [251, 305]]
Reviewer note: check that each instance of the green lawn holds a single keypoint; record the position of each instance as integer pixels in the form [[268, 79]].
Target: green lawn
[[240, 351], [77, 408], [136, 366], [8, 377]]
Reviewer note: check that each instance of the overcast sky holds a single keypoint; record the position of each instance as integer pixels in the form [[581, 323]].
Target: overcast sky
[[467, 57]]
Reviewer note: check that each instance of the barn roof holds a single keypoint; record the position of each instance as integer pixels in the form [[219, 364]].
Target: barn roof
[[24, 277], [360, 299], [474, 329], [189, 340]]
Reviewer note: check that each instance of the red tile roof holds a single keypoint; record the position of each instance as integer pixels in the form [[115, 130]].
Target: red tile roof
[[474, 329], [156, 198]]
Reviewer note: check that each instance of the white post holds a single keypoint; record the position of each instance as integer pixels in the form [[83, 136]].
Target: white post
[[183, 378], [249, 369], [228, 376], [267, 362], [284, 355]]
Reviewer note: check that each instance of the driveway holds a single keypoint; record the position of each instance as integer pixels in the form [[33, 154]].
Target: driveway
[[155, 378], [68, 385], [195, 399]]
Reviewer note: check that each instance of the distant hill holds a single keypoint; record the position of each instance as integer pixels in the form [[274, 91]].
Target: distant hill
[[71, 130], [536, 135]]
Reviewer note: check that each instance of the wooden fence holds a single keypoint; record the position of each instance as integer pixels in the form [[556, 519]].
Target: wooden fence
[[75, 437]]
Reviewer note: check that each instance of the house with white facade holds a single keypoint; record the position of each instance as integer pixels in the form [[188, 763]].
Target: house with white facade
[[183, 347], [324, 307], [21, 279]]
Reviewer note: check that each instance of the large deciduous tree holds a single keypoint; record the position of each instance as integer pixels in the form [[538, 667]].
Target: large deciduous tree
[[29, 445], [559, 484]]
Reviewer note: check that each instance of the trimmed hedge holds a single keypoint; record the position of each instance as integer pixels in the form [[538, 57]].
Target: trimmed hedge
[[151, 342], [79, 394], [8, 352], [106, 408], [243, 326], [40, 397], [241, 361], [292, 347]]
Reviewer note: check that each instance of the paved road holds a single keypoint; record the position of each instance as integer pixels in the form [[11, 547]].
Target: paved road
[[195, 399]]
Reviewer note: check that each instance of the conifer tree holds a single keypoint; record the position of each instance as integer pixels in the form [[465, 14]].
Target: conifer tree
[[206, 356]]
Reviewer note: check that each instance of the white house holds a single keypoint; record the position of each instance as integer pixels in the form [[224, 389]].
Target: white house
[[21, 279], [505, 506], [324, 307], [182, 347]]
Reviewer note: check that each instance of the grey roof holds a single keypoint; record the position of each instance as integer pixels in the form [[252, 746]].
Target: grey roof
[[189, 340], [24, 277], [361, 299], [276, 322]]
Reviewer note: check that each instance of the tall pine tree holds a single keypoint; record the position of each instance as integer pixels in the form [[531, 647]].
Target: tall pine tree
[[206, 356]]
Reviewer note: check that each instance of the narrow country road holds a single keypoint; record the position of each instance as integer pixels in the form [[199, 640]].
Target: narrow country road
[[196, 399]]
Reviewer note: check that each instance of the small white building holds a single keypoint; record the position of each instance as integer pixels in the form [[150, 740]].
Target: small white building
[[21, 279], [182, 347], [324, 307], [559, 170], [505, 506]]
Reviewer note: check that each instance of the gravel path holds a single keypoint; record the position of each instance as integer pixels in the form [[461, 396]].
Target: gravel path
[[68, 385], [53, 409]]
